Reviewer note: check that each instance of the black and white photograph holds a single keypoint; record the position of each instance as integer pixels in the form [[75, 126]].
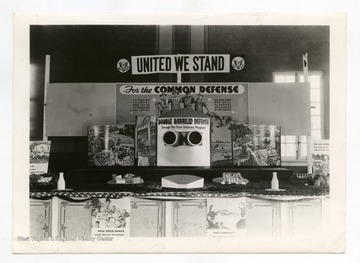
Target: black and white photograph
[[202, 132]]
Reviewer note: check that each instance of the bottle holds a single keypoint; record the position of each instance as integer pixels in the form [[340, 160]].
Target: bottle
[[327, 180], [61, 182], [275, 182]]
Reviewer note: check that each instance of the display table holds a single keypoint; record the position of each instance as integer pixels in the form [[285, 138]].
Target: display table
[[176, 214], [94, 182], [294, 187], [161, 212]]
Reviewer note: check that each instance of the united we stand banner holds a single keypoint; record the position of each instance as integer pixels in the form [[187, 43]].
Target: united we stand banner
[[182, 63], [215, 99]]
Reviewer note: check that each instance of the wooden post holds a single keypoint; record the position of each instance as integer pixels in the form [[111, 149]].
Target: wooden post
[[308, 138], [178, 79], [309, 155], [46, 82], [306, 67]]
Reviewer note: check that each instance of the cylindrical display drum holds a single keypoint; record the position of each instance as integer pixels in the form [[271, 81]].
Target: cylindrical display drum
[[194, 138], [172, 138]]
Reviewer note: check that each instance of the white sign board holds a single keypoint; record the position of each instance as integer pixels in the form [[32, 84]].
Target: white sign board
[[183, 141]]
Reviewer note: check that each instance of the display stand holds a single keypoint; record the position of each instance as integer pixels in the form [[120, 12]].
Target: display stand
[[179, 81]]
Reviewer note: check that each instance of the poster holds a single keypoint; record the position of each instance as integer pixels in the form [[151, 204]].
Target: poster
[[226, 217], [39, 157], [110, 217], [320, 150], [146, 140], [256, 145], [222, 99], [221, 149], [111, 145]]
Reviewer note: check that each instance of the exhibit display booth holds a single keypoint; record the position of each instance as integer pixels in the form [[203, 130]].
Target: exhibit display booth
[[170, 161], [175, 159]]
